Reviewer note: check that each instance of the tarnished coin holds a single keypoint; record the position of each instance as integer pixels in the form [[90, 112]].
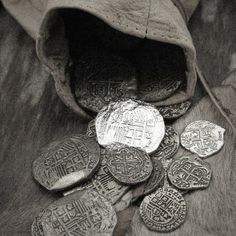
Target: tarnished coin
[[129, 122], [168, 147], [83, 214], [66, 162], [174, 111], [103, 182], [164, 210], [101, 78], [189, 172], [156, 177], [159, 89], [203, 138], [36, 227], [91, 130], [128, 165]]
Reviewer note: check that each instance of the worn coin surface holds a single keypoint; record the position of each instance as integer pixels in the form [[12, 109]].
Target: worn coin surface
[[91, 130], [130, 122], [82, 213], [66, 162], [203, 138], [158, 89], [36, 227], [156, 177], [168, 147], [101, 78], [164, 210], [103, 182], [189, 172], [128, 165], [174, 111]]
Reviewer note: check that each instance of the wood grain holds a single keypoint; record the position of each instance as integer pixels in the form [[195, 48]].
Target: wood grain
[[33, 115]]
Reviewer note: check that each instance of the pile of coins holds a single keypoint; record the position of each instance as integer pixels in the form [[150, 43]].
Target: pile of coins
[[127, 146]]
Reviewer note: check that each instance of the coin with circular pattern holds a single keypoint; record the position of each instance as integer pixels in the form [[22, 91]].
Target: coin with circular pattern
[[101, 78], [174, 111], [82, 213], [203, 138], [130, 122], [103, 182], [164, 210], [168, 147], [128, 165], [65, 162], [189, 172], [91, 130]]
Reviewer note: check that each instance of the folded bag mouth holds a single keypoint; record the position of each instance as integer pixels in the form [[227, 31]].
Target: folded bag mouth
[[158, 21]]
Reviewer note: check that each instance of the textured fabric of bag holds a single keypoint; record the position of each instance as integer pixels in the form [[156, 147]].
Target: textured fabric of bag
[[160, 20]]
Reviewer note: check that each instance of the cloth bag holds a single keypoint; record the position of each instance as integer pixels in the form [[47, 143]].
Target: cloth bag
[[159, 20]]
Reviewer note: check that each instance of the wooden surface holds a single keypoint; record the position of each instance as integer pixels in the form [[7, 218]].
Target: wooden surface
[[33, 115]]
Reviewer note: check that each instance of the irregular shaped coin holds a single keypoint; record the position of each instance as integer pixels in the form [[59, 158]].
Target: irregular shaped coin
[[66, 162], [174, 111], [91, 130], [129, 122], [82, 213], [128, 165], [103, 182], [189, 172], [101, 78], [164, 210], [203, 138], [168, 147]]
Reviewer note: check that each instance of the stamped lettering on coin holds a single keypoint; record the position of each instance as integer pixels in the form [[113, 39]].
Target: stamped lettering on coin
[[189, 172], [129, 122], [37, 228], [203, 138], [164, 210], [174, 111], [91, 130], [89, 214], [128, 165], [66, 162]]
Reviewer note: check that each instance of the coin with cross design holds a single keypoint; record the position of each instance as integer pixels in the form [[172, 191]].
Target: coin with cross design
[[128, 165], [130, 122], [63, 163], [203, 138], [101, 77], [103, 182], [189, 172], [164, 210], [81, 213]]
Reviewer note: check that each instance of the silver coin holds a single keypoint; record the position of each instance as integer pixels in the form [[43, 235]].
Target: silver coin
[[83, 214], [36, 227], [129, 122], [91, 130], [66, 162], [203, 138], [168, 147], [101, 78], [103, 183], [156, 177], [128, 165], [164, 210], [189, 172], [174, 111]]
